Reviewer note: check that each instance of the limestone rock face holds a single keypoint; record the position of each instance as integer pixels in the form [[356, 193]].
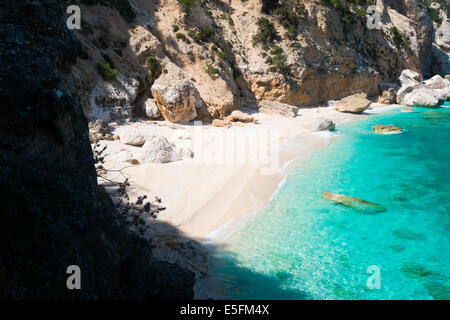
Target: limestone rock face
[[158, 150], [112, 100], [441, 45], [324, 125], [389, 129], [355, 203], [356, 103], [151, 109], [274, 107]]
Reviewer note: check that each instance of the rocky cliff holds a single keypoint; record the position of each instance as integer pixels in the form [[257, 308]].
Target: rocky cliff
[[53, 213], [203, 59]]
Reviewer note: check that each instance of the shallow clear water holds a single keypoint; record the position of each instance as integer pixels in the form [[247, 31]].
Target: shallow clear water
[[304, 247]]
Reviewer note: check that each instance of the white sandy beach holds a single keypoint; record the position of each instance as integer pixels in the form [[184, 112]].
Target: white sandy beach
[[201, 196]]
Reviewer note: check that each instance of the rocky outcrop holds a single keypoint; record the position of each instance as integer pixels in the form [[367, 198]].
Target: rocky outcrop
[[416, 92], [386, 129], [356, 103], [274, 107], [355, 203], [421, 97]]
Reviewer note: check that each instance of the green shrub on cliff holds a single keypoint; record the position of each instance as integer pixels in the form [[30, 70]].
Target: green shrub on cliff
[[267, 34], [152, 64], [107, 72]]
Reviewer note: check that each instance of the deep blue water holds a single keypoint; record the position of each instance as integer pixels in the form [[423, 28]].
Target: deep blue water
[[304, 247]]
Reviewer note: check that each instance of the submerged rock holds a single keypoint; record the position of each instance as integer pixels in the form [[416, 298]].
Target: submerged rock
[[356, 103], [408, 235], [383, 129], [355, 203], [398, 247], [437, 290], [406, 110], [415, 270]]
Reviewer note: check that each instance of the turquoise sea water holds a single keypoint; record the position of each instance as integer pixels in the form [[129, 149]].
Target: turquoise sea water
[[304, 247]]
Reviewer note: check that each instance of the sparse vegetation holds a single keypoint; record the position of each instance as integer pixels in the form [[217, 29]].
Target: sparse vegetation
[[400, 41], [267, 34], [107, 72], [186, 4], [203, 35], [182, 37], [434, 12], [152, 64], [277, 61], [212, 71]]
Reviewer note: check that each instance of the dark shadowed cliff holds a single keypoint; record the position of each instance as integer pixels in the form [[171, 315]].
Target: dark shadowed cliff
[[53, 214]]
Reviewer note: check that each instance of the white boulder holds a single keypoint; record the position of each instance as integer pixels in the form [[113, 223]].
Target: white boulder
[[421, 98], [157, 150], [132, 137]]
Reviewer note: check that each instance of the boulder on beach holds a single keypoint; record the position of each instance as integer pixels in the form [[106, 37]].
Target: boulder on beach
[[356, 103], [151, 109], [422, 97], [386, 129], [132, 137], [240, 116], [323, 124], [220, 123], [275, 107], [355, 203], [158, 150]]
